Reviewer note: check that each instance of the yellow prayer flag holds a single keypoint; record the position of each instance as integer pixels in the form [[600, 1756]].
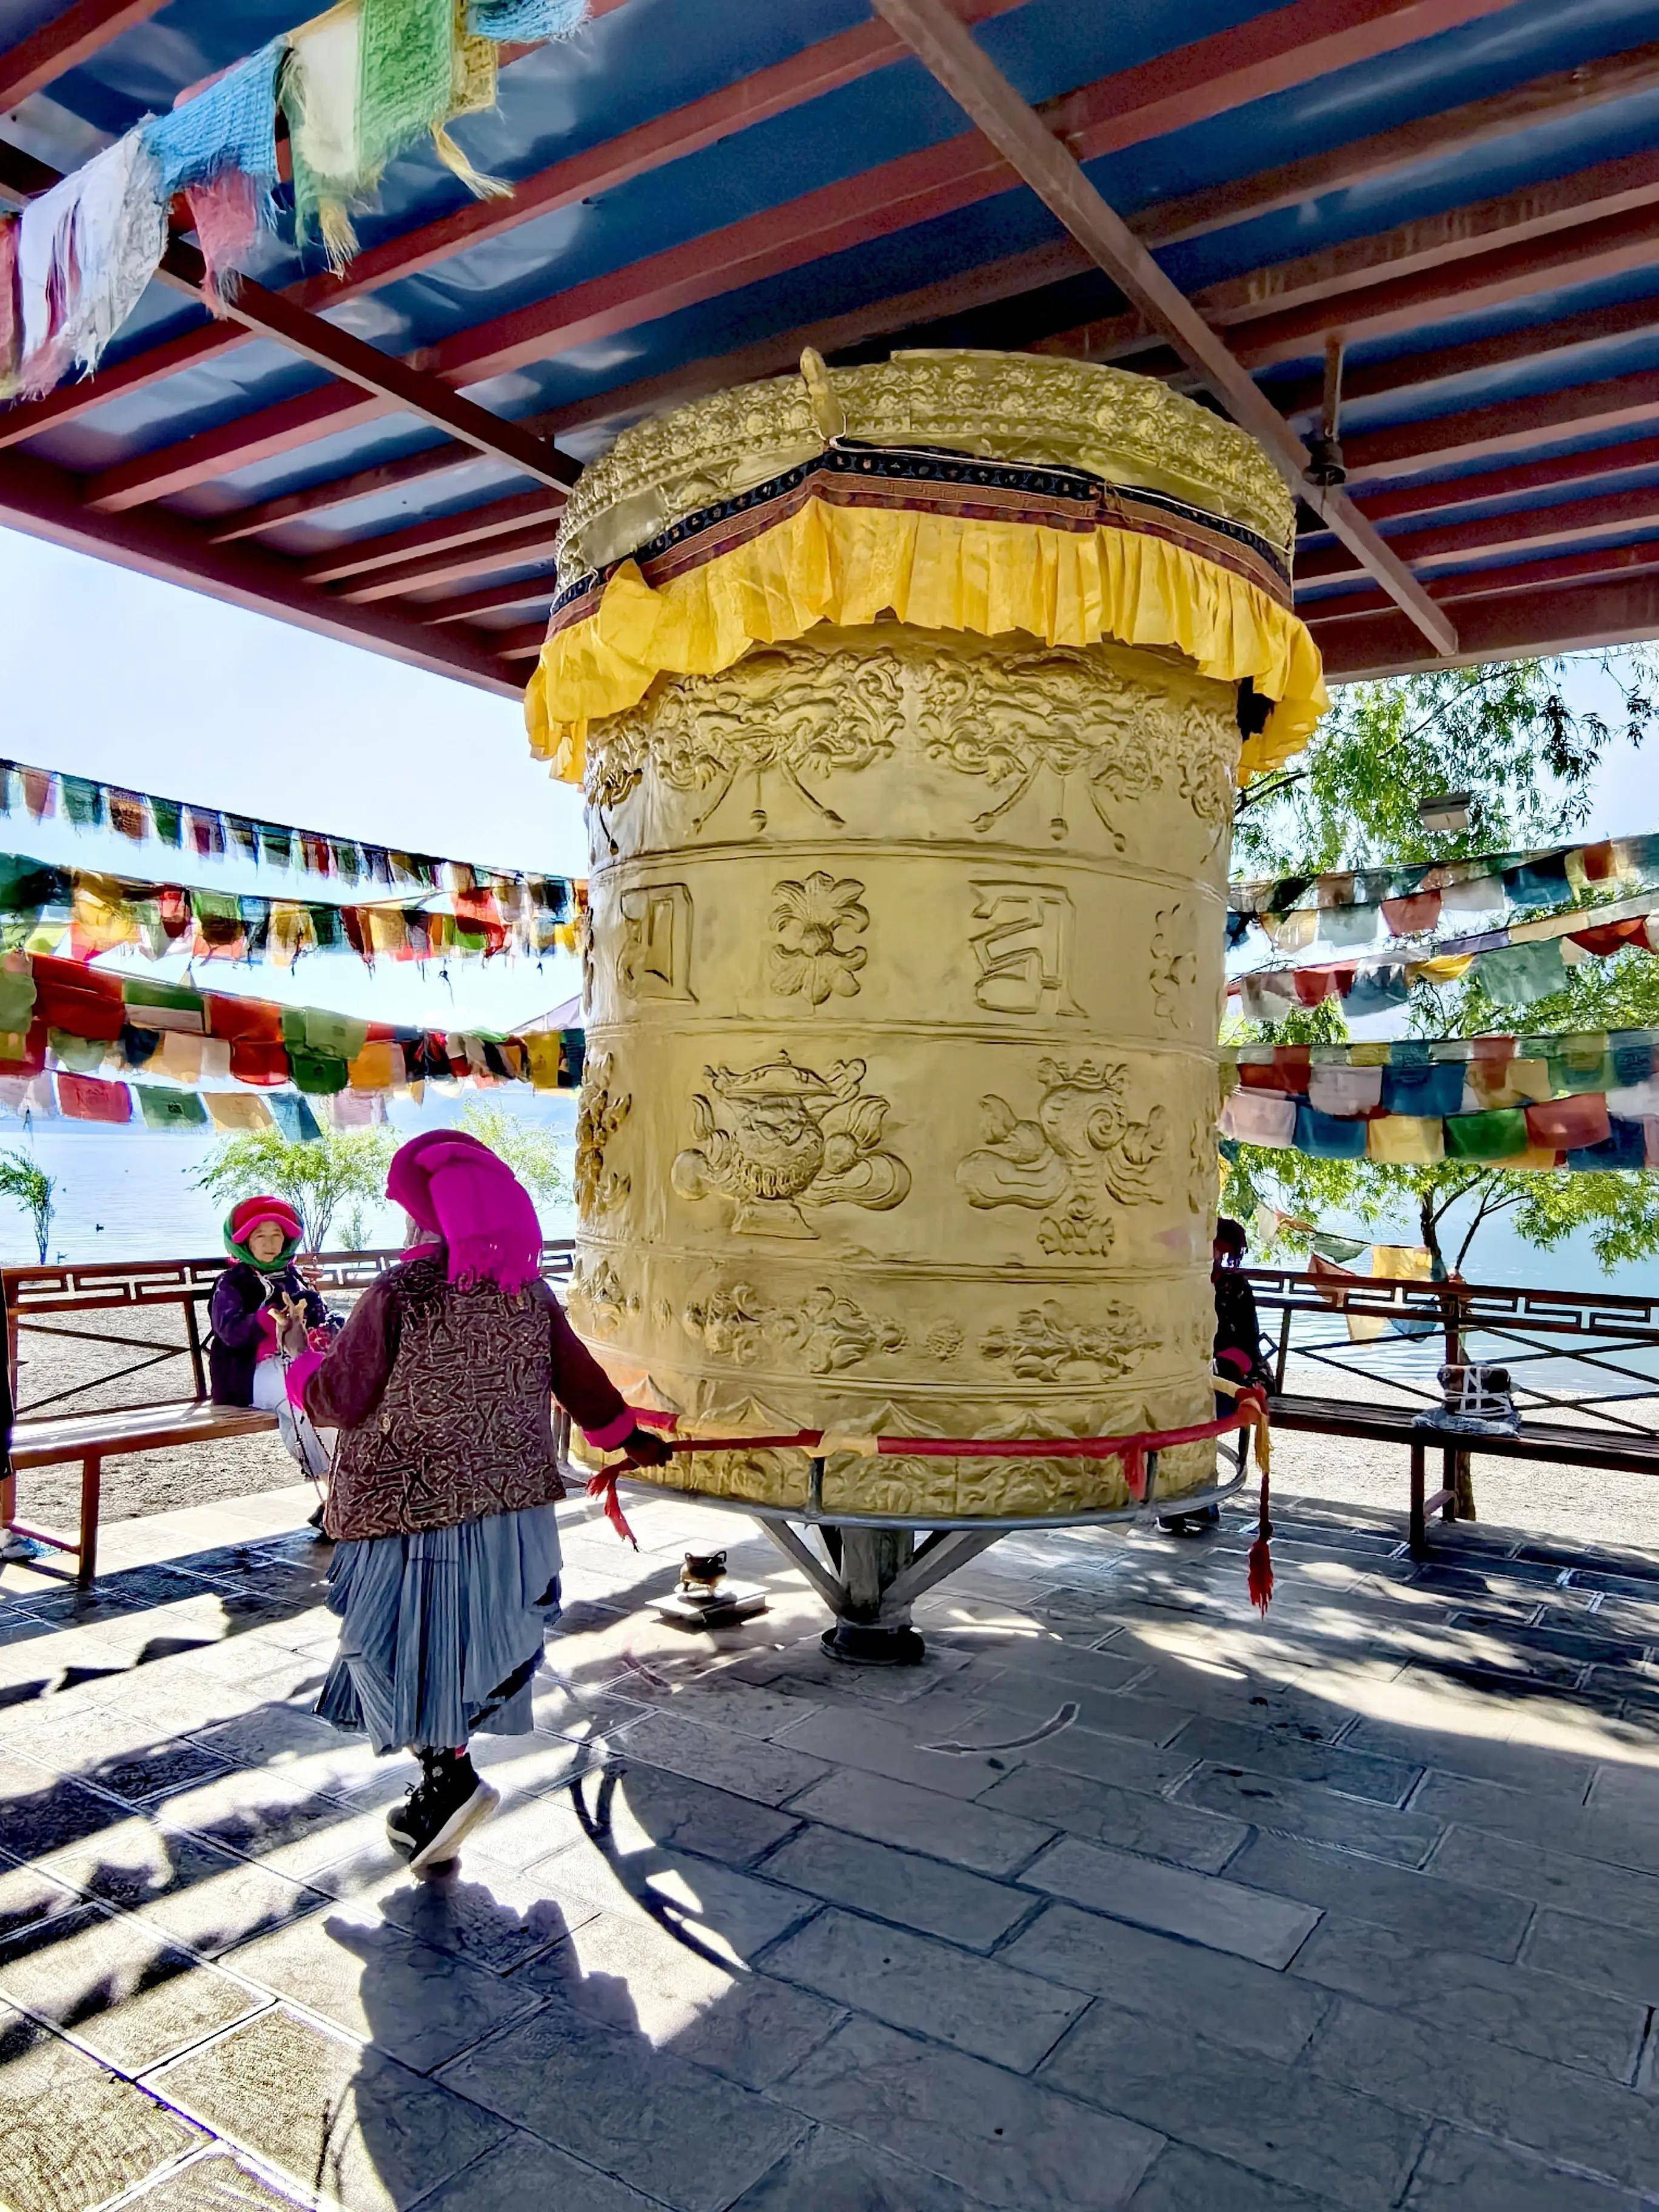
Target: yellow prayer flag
[[1407, 1140], [236, 1109]]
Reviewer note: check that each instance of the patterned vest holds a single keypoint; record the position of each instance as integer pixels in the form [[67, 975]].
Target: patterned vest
[[465, 1426]]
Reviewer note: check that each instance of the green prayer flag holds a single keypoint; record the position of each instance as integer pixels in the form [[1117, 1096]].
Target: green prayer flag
[[1339, 1249], [1519, 975], [83, 801], [405, 75], [169, 819], [1572, 1077], [139, 991], [169, 1109], [320, 1074], [80, 1055], [334, 1033], [1501, 1135]]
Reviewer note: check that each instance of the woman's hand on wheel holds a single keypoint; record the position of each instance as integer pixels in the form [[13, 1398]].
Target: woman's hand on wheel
[[645, 1449]]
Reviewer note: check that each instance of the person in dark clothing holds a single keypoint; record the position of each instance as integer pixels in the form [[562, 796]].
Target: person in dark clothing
[[1235, 1349], [446, 1567], [1237, 1352], [259, 1291]]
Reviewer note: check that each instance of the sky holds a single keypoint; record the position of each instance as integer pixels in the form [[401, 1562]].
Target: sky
[[109, 674]]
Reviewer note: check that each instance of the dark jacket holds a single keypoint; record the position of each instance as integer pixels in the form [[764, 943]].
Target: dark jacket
[[1237, 1346], [443, 1398], [239, 1297]]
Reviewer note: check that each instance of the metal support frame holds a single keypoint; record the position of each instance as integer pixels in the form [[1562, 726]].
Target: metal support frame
[[863, 1613]]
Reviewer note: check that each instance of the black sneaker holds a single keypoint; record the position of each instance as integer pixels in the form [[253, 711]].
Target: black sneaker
[[428, 1826]]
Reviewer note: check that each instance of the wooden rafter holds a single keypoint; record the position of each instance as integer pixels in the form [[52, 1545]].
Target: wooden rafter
[[393, 384], [64, 41], [45, 502], [1286, 46], [1507, 426], [1560, 524], [984, 93], [1506, 620]]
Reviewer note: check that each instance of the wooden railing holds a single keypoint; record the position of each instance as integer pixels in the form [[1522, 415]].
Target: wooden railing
[[37, 1298], [1592, 1332]]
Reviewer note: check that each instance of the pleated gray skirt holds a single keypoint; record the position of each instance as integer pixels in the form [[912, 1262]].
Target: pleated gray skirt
[[440, 1633]]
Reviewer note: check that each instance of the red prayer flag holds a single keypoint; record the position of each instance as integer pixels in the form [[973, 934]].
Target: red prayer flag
[[1567, 1123], [89, 1098]]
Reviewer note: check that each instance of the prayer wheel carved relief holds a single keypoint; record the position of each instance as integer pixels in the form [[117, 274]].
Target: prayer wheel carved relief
[[903, 982]]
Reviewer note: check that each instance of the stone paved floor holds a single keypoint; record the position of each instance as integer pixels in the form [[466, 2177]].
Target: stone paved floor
[[1359, 1907]]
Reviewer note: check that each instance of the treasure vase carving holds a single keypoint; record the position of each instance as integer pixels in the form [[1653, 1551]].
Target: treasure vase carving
[[907, 963]]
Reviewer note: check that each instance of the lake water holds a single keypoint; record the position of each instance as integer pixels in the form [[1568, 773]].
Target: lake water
[[128, 1194]]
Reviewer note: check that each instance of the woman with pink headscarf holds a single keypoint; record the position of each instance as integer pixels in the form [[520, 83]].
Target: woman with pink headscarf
[[446, 1569]]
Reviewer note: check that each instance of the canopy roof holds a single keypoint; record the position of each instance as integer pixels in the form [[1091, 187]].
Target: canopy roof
[[1466, 192]]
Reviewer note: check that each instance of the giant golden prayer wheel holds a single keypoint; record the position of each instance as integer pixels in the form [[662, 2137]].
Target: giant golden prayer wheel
[[908, 703]]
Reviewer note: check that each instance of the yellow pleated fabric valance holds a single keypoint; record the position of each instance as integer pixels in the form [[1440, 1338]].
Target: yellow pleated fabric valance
[[698, 610]]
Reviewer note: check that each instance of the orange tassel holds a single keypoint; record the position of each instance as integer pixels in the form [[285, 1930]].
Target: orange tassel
[[1260, 1561]]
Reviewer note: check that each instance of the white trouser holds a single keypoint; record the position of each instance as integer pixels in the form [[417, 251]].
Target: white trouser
[[313, 1447]]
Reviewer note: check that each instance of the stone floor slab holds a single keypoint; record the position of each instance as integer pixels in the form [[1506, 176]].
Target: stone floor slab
[[118, 1986], [1618, 1834], [1173, 1982], [896, 1748], [724, 1758], [1618, 1959], [1281, 2122], [630, 1973], [72, 2134], [1312, 1812], [28, 1896], [1004, 2139], [634, 1808], [1584, 1886], [1393, 1896], [1566, 2116], [1185, 2180], [834, 2172], [217, 2182], [643, 2116], [983, 1839], [363, 2131], [525, 2174], [917, 1893], [408, 2000], [1427, 1981], [1460, 2173], [913, 1982], [725, 1914], [1202, 1908], [1126, 1817], [200, 1895], [1296, 1758]]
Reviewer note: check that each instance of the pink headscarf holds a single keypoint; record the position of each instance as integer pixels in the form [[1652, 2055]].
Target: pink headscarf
[[461, 1191]]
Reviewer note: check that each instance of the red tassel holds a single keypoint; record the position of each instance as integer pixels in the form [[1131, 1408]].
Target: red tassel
[[603, 1486], [1134, 1471], [1261, 1562]]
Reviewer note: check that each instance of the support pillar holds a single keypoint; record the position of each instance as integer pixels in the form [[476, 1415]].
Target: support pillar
[[871, 1629]]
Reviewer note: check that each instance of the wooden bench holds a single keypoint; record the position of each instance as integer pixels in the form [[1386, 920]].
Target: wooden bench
[[37, 1298], [91, 1438], [1556, 1444]]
